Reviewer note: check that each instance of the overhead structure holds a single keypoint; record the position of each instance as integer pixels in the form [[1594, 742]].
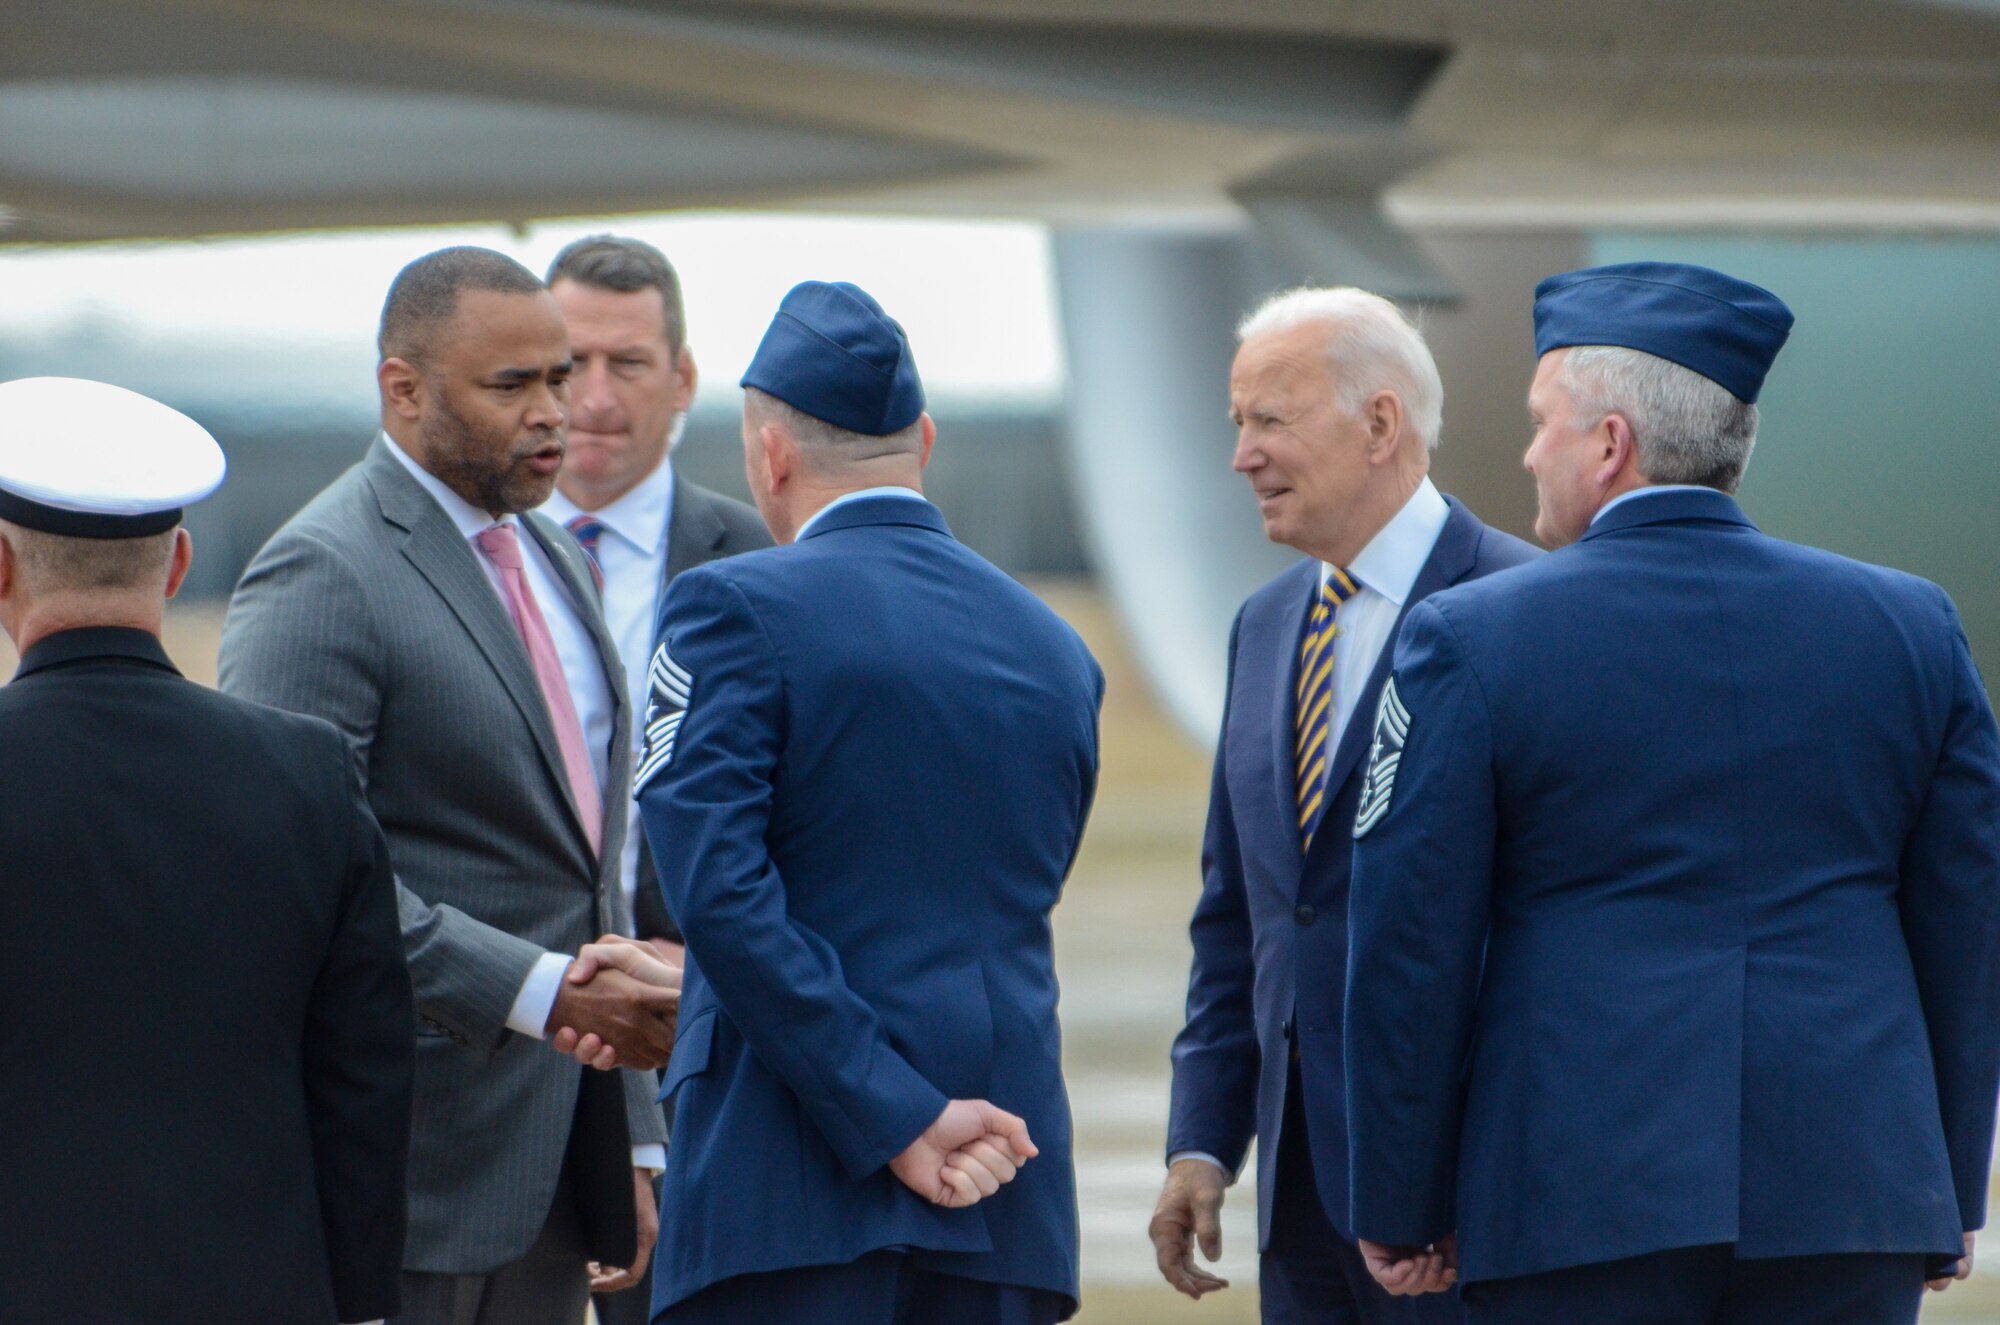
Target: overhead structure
[[1190, 153]]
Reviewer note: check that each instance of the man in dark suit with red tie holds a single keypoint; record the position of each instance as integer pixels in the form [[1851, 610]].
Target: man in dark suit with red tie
[[1338, 406]]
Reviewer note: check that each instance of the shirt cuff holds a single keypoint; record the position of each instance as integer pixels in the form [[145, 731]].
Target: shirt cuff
[[1205, 1158], [530, 1013], [652, 1156]]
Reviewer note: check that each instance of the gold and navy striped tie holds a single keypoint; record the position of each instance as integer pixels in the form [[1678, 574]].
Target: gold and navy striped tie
[[1314, 720]]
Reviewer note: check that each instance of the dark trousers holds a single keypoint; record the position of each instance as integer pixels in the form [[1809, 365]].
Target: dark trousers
[[1708, 1286], [1310, 1274], [882, 1288]]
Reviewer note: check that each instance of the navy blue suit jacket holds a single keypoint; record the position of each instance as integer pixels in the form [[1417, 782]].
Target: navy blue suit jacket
[[1270, 933], [1719, 819], [862, 822]]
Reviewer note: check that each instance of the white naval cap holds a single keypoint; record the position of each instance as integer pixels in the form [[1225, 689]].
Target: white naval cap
[[92, 460]]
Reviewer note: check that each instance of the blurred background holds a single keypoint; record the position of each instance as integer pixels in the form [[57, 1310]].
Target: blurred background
[[1069, 204]]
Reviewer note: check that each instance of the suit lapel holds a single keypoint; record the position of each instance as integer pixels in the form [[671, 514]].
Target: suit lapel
[[694, 531], [443, 557], [1286, 628], [566, 558], [1451, 557]]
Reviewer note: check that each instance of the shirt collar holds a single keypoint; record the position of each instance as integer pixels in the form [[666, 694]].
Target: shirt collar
[[469, 518], [1624, 497], [893, 490], [1394, 558], [639, 517]]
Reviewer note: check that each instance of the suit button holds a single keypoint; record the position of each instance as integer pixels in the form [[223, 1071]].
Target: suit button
[[1285, 1028], [1305, 915]]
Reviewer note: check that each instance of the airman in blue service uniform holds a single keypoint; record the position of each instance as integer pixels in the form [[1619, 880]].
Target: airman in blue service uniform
[[1676, 896], [869, 756], [205, 1056]]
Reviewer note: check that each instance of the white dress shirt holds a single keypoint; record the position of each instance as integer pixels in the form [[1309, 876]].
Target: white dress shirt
[[589, 691], [632, 555], [1383, 574]]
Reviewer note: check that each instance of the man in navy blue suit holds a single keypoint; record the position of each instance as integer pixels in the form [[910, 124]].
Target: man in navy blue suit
[[1338, 405], [868, 763], [1676, 902]]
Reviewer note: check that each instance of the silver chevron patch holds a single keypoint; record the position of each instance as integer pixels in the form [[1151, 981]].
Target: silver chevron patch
[[1392, 728], [670, 687]]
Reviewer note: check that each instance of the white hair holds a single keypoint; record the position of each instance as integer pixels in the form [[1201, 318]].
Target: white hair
[[1687, 428], [1371, 346]]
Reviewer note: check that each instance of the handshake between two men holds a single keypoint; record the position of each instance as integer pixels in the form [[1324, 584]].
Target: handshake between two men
[[618, 1007]]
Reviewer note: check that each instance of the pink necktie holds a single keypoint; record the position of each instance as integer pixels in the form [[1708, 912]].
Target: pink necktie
[[503, 548]]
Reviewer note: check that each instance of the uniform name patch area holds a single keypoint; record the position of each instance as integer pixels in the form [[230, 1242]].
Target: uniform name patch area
[[1392, 728], [672, 686]]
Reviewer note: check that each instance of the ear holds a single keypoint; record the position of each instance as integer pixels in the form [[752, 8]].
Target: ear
[[1382, 415], [183, 558], [402, 388], [1620, 454], [781, 454], [684, 369], [6, 566], [930, 435]]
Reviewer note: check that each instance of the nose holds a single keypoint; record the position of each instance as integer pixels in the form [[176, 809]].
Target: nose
[[548, 406], [1247, 457], [590, 390]]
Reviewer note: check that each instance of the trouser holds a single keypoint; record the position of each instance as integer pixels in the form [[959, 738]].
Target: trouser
[[547, 1286], [1708, 1286], [1310, 1274], [882, 1288]]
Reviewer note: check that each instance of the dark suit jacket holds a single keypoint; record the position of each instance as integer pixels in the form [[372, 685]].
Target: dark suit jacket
[[205, 1056], [370, 609], [704, 526], [1718, 818], [877, 788], [1270, 931]]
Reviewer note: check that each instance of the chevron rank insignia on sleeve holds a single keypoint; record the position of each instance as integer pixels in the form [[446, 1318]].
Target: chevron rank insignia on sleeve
[[1392, 728], [670, 688]]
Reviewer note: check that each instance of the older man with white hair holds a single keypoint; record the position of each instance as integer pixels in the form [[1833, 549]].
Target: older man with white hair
[[1338, 406], [1676, 893]]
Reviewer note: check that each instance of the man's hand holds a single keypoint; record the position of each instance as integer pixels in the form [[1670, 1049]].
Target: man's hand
[[611, 1279], [1943, 1282], [965, 1155], [1190, 1210], [630, 1018], [1408, 1271], [639, 960]]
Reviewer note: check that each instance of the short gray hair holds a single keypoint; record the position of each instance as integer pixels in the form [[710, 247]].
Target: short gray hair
[[58, 564], [825, 445], [1687, 428], [1371, 345]]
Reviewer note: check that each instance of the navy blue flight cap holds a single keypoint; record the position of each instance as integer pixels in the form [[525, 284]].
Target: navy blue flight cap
[[1727, 330], [832, 352]]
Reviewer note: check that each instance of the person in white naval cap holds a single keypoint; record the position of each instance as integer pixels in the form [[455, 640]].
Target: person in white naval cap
[[205, 1057]]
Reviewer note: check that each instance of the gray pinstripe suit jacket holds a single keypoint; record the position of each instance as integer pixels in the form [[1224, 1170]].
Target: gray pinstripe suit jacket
[[369, 609]]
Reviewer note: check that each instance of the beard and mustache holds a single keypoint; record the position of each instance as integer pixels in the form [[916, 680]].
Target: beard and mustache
[[491, 475]]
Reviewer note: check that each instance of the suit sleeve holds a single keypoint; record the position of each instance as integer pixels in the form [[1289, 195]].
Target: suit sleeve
[[706, 802], [299, 636], [1215, 1056], [1418, 914], [1950, 903], [359, 1058]]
